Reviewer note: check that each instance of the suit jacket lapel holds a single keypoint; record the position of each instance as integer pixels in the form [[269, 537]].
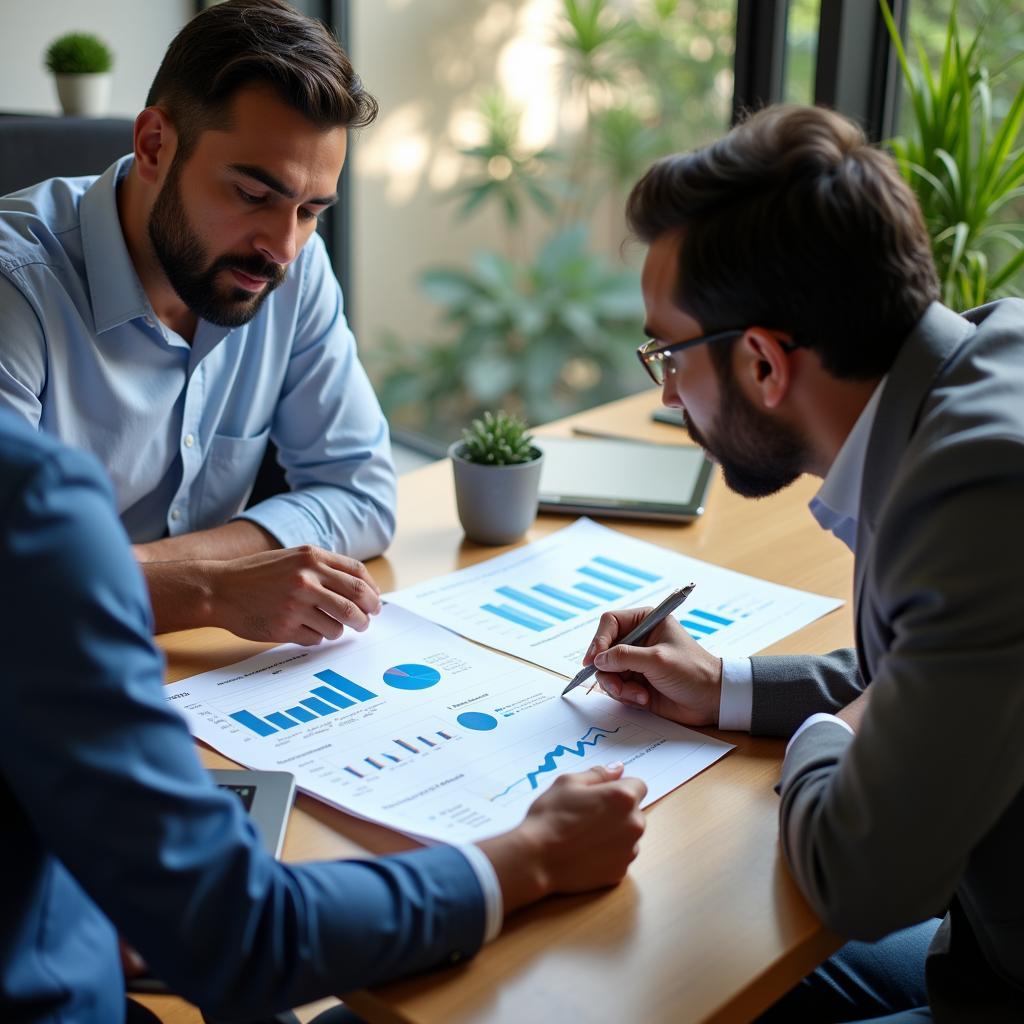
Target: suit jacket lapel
[[927, 350]]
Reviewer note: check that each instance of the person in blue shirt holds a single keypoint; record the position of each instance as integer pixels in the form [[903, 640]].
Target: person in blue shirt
[[174, 313], [111, 825]]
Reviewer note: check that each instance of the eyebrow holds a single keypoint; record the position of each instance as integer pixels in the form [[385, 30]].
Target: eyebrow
[[649, 332], [266, 178]]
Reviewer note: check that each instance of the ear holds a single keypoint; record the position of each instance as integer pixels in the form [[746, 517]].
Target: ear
[[155, 144], [764, 367]]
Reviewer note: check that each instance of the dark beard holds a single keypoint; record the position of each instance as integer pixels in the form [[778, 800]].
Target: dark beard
[[758, 455], [183, 260]]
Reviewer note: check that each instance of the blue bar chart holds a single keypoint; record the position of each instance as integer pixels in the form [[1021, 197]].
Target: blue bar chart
[[606, 579], [542, 602], [381, 762], [335, 694], [701, 624]]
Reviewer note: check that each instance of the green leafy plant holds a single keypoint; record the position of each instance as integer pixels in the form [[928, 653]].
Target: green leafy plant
[[539, 338], [964, 164], [547, 329], [497, 439], [79, 53]]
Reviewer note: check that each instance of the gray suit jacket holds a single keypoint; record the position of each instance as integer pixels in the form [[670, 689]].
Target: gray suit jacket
[[922, 813]]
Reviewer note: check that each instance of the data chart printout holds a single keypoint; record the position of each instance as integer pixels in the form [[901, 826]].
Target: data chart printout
[[542, 602], [411, 726]]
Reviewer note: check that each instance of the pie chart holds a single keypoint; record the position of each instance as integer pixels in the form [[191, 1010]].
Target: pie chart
[[477, 721], [412, 677]]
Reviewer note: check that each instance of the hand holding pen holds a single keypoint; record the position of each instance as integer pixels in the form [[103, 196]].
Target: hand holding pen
[[670, 674]]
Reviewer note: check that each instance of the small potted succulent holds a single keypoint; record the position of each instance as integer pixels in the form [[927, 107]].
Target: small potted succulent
[[81, 65], [497, 478]]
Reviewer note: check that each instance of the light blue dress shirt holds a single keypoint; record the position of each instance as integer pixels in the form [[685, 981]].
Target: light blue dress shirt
[[180, 428]]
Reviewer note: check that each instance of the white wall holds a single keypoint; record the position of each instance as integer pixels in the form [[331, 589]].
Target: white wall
[[138, 32]]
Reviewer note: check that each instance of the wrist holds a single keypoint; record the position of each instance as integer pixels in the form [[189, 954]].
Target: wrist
[[211, 583], [519, 864], [714, 689]]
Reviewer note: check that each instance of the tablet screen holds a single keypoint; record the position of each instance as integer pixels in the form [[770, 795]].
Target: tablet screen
[[626, 477]]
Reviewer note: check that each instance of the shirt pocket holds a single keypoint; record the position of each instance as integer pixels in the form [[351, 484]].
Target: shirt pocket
[[229, 473]]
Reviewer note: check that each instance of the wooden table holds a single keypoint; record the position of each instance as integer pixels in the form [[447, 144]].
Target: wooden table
[[708, 926]]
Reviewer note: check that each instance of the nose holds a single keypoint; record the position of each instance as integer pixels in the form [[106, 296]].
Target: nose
[[669, 394], [277, 239]]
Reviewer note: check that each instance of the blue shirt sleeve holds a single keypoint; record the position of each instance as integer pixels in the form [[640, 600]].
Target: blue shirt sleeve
[[331, 434], [107, 776], [22, 363]]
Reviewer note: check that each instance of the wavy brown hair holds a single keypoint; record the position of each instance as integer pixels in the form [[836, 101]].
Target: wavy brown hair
[[792, 221]]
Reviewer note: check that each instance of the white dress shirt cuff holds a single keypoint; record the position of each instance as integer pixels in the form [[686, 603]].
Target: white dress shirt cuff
[[494, 905], [737, 701], [820, 716]]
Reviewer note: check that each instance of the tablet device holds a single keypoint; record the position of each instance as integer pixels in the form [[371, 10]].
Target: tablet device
[[623, 478], [267, 796]]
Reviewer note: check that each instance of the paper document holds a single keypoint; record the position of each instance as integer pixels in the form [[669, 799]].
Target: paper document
[[542, 602], [413, 727]]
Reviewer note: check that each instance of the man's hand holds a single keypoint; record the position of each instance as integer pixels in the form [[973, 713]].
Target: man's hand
[[581, 834], [671, 675], [292, 595]]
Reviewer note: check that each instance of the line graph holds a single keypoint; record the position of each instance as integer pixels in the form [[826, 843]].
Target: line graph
[[590, 738]]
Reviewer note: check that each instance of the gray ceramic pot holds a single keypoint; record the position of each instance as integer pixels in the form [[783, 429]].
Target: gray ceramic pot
[[496, 504]]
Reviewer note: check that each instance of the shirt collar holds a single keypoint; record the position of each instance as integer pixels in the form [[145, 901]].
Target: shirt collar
[[836, 506], [114, 286]]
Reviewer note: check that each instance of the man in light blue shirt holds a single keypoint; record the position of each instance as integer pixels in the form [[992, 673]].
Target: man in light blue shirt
[[173, 314]]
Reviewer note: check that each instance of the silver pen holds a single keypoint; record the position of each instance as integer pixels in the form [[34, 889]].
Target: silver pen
[[640, 631]]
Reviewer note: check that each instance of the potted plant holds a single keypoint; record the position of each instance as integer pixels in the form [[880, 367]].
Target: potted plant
[[81, 65], [497, 477]]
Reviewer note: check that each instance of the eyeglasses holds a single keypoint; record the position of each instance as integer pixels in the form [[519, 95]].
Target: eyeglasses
[[655, 356]]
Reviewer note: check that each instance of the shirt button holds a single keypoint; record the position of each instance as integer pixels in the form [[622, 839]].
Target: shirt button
[[189, 440], [175, 514]]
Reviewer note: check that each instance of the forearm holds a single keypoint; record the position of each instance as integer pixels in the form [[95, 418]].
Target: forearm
[[180, 571], [787, 689], [232, 540], [181, 594]]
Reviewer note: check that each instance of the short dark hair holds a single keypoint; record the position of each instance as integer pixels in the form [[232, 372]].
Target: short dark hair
[[792, 221], [241, 42]]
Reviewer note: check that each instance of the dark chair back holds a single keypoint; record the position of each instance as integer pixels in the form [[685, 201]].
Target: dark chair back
[[33, 149]]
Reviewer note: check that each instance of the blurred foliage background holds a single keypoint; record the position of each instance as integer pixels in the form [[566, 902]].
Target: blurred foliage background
[[544, 328], [547, 330], [958, 145]]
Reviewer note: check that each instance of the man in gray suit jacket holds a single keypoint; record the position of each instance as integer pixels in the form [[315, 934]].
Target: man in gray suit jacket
[[791, 300]]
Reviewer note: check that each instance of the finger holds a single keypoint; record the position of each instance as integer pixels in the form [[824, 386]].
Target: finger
[[610, 627], [626, 691], [637, 787], [326, 625], [305, 637], [339, 608], [352, 567], [626, 658], [352, 588], [599, 773]]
